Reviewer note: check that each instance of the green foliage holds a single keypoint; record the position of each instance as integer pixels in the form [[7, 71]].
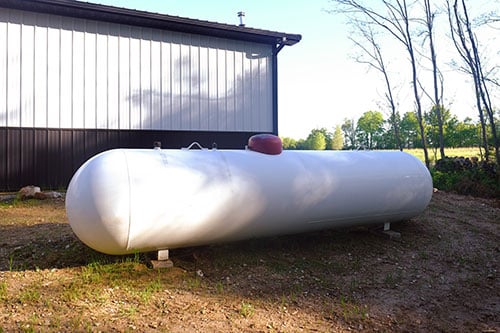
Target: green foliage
[[456, 133], [337, 139], [292, 144], [410, 136], [289, 143], [328, 137], [465, 134], [389, 136], [431, 124], [370, 129], [467, 176], [316, 140], [464, 151], [349, 129]]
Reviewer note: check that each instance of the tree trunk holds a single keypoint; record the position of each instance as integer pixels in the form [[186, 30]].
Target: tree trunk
[[411, 52], [437, 99], [483, 89], [464, 50]]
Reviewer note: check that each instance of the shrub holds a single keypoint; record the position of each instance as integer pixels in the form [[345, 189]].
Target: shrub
[[467, 176]]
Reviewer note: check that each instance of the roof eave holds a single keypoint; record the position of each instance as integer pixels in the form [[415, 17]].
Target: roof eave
[[127, 16]]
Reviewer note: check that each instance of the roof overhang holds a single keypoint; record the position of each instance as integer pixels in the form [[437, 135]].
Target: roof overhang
[[91, 11]]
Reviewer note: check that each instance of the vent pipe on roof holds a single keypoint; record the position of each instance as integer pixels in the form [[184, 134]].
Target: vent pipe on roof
[[241, 15]]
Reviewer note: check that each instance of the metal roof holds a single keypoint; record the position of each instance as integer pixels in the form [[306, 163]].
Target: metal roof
[[91, 11]]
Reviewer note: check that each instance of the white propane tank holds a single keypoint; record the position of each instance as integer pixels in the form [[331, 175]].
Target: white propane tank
[[132, 200]]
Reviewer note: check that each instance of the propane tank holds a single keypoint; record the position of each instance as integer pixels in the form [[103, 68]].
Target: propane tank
[[135, 200]]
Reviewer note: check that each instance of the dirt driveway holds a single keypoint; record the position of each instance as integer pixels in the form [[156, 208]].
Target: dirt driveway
[[441, 275]]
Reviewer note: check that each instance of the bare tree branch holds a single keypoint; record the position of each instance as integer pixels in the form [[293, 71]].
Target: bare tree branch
[[466, 43], [395, 21], [429, 23]]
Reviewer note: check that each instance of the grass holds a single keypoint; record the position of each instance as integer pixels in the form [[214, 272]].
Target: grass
[[151, 288], [351, 311], [452, 152], [451, 176], [193, 283], [392, 280], [219, 287], [316, 281], [126, 286], [3, 290], [31, 294], [247, 309]]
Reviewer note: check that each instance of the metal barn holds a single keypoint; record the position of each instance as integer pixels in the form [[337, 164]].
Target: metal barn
[[78, 78]]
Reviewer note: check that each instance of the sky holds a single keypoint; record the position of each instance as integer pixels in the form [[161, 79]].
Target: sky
[[319, 83]]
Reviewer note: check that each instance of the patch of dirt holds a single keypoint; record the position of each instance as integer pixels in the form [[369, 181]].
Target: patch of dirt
[[441, 275]]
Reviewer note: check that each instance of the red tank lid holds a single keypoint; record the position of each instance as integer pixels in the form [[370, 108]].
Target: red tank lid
[[266, 144]]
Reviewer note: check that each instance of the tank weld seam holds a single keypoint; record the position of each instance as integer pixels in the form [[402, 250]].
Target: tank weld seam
[[129, 200], [227, 170]]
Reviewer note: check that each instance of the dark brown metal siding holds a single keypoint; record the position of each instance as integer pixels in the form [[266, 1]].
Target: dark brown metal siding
[[3, 155], [49, 157]]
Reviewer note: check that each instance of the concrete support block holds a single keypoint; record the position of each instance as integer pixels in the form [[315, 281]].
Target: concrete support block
[[163, 260]]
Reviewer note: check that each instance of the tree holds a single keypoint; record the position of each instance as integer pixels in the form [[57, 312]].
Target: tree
[[409, 130], [375, 59], [301, 145], [370, 128], [393, 138], [337, 139], [349, 129], [438, 87], [316, 140], [440, 125], [328, 137], [464, 134], [466, 43], [396, 22], [289, 143]]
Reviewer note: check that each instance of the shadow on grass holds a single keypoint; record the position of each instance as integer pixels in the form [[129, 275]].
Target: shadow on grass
[[45, 246], [53, 245]]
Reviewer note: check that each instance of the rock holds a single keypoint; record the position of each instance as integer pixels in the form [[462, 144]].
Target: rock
[[54, 194], [28, 192], [40, 196], [7, 197], [47, 195]]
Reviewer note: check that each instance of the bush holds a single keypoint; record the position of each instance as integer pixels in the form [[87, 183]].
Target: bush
[[467, 176]]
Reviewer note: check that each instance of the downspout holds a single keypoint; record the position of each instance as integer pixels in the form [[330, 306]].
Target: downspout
[[279, 46]]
